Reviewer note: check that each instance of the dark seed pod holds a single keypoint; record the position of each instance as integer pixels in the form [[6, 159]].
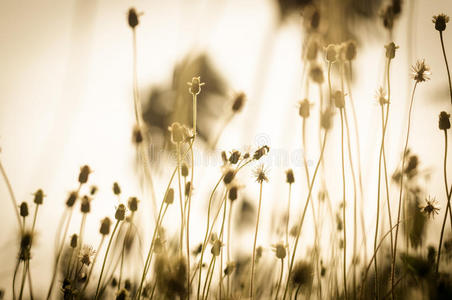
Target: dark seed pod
[[137, 136], [39, 197], [23, 209], [239, 101], [128, 285], [93, 190], [184, 170], [261, 152], [116, 189], [444, 121], [120, 214], [105, 226], [114, 282], [133, 204], [188, 189], [169, 199], [132, 18], [71, 199], [233, 191], [290, 177], [85, 206], [229, 176], [84, 174], [234, 158], [74, 239], [440, 22]]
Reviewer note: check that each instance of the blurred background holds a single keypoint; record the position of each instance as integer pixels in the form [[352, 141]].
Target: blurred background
[[66, 100]]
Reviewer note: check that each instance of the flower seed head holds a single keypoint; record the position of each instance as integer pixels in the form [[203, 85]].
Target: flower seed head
[[339, 99], [86, 255], [93, 190], [116, 189], [391, 50], [120, 214], [133, 203], [128, 285], [233, 191], [71, 199], [430, 208], [39, 197], [304, 108], [216, 247], [228, 176], [381, 96], [238, 103], [420, 71], [195, 85], [188, 189], [260, 174], [289, 176], [311, 50], [132, 18], [235, 156], [179, 133], [23, 209], [326, 119], [122, 294], [85, 206], [137, 135], [74, 239], [105, 226], [230, 266], [302, 274], [444, 121], [184, 170], [84, 174], [331, 53], [169, 199], [440, 22], [316, 74], [350, 50], [261, 152], [280, 250]]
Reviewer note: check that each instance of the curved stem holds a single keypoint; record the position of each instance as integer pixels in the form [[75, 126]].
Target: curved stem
[[11, 194], [447, 64], [254, 244], [228, 249], [280, 279], [344, 204], [401, 192]]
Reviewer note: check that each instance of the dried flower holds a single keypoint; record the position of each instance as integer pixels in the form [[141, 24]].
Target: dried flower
[[188, 189], [169, 198], [444, 121], [71, 199], [216, 247], [381, 96], [39, 197], [184, 170], [234, 157], [440, 22], [132, 18], [195, 85], [229, 175], [85, 206], [116, 189], [122, 294], [93, 190], [128, 285], [179, 133], [73, 242], [120, 212], [233, 192], [289, 176], [280, 250], [339, 99], [391, 50], [316, 73], [326, 119], [25, 245], [304, 107], [420, 71], [133, 203], [302, 274], [260, 174], [331, 53], [261, 152], [23, 209], [230, 267], [238, 103], [105, 226], [84, 174], [86, 255], [430, 208], [350, 50]]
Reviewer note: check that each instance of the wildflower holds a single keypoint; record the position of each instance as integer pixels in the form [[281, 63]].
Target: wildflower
[[440, 22], [133, 204], [444, 122], [86, 255], [179, 133], [73, 242], [93, 190], [188, 189], [229, 175], [238, 103], [216, 247], [116, 189], [169, 198], [137, 136], [25, 245], [120, 212], [84, 174], [71, 199], [105, 226], [381, 96], [159, 245], [230, 267], [331, 53], [326, 119], [260, 175], [261, 152], [280, 250], [420, 71], [350, 50], [128, 285], [259, 251], [430, 208], [316, 74], [304, 107], [184, 170], [132, 18], [195, 85], [234, 157], [289, 176], [122, 294], [339, 99], [23, 209], [302, 274], [391, 50], [39, 197], [85, 206]]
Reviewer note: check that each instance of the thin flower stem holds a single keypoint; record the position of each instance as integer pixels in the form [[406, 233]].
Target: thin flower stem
[[228, 249], [105, 259], [447, 64], [181, 236], [280, 279], [287, 220], [16, 269], [221, 254], [188, 219], [208, 276], [11, 194], [304, 214], [128, 232], [92, 265], [210, 280], [344, 204], [448, 201], [254, 244], [22, 285], [401, 192]]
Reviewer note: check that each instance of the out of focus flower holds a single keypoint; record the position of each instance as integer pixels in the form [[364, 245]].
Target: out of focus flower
[[420, 71]]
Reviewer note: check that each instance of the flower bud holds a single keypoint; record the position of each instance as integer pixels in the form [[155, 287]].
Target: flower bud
[[105, 226], [233, 191], [132, 18], [331, 53], [229, 176], [39, 197], [444, 122], [85, 206], [169, 199], [74, 239], [339, 99], [304, 108], [71, 199], [184, 170], [133, 204], [116, 189], [350, 50], [239, 101], [188, 189], [23, 209], [234, 158], [84, 174], [290, 177], [440, 22], [120, 214], [391, 50]]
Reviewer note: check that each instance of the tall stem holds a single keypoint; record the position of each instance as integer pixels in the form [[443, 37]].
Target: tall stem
[[280, 279], [182, 221], [344, 204], [447, 64], [254, 244], [228, 249], [11, 194], [401, 192]]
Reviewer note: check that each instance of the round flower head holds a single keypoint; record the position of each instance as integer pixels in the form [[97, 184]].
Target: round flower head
[[280, 250], [339, 99], [84, 174], [132, 18], [229, 175], [86, 255], [326, 119], [85, 206], [303, 109], [179, 133], [420, 71], [289, 176], [169, 198], [316, 74], [23, 209], [133, 204], [184, 170], [71, 199], [302, 274], [261, 152], [238, 103], [430, 208], [120, 214], [39, 197], [216, 247], [444, 121], [440, 22], [331, 53], [116, 189], [260, 174], [350, 50], [391, 50], [188, 188], [137, 135], [73, 242], [195, 85], [230, 266], [234, 157], [105, 226], [233, 193]]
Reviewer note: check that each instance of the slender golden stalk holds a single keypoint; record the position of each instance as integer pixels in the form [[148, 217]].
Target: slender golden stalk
[[401, 191], [228, 249], [280, 279], [287, 220], [255, 240], [11, 194], [182, 221], [344, 204], [221, 254], [447, 64]]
